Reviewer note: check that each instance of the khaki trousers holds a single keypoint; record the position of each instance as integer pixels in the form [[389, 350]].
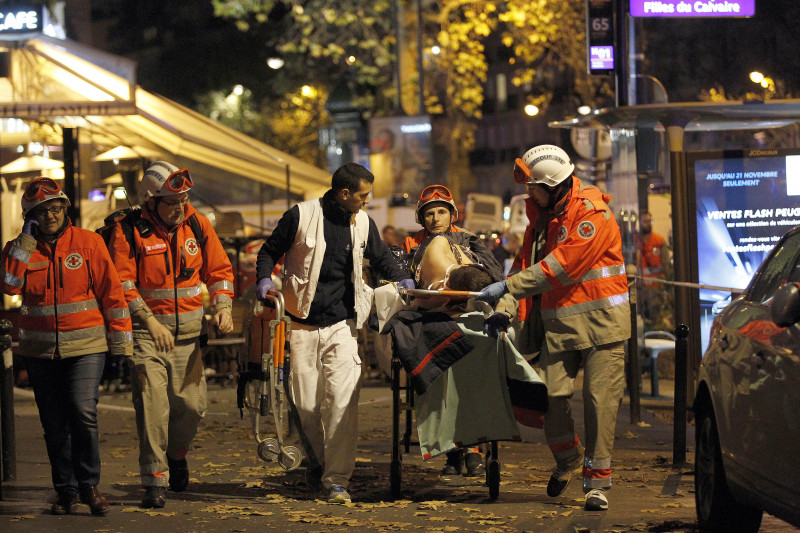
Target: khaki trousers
[[325, 384], [603, 387], [169, 396]]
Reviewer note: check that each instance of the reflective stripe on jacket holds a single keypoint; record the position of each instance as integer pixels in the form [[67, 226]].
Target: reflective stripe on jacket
[[72, 298], [167, 281], [582, 277]]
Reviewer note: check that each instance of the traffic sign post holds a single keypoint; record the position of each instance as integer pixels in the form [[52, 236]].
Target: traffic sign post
[[601, 60]]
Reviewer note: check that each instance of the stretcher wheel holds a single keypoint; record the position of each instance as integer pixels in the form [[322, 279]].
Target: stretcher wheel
[[269, 450], [493, 478], [290, 457], [395, 479]]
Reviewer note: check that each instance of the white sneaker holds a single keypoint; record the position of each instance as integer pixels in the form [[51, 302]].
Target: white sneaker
[[596, 500], [338, 495]]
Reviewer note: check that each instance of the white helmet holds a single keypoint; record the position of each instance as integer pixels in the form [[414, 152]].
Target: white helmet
[[436, 193], [546, 165], [39, 191], [164, 179]]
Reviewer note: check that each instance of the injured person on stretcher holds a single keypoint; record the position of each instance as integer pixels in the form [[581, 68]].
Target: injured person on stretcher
[[440, 264]]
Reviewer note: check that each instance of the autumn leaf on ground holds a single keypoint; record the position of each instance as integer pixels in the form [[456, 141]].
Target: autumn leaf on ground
[[433, 505]]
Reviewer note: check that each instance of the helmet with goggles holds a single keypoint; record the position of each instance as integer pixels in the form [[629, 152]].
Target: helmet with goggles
[[41, 190], [164, 179], [546, 165], [435, 193]]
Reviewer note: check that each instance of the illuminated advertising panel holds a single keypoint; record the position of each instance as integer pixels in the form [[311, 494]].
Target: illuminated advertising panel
[[401, 154], [746, 200], [693, 8]]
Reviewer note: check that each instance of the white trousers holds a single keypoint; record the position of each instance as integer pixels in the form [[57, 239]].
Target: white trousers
[[325, 383]]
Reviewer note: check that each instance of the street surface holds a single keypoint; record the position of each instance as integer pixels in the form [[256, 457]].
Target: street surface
[[232, 490]]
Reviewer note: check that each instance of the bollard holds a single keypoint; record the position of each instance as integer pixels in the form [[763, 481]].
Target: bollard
[[634, 366], [680, 408], [8, 448]]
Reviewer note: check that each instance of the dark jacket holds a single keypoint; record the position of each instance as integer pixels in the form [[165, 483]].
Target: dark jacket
[[334, 299]]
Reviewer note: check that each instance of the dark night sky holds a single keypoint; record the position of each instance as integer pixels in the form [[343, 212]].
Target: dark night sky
[[687, 55]]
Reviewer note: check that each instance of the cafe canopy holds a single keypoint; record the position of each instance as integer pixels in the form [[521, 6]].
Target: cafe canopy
[[45, 79]]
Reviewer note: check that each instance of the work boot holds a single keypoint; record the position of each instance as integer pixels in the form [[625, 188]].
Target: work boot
[[596, 500], [66, 499], [474, 464], [154, 498], [178, 474], [561, 477], [453, 465], [96, 502]]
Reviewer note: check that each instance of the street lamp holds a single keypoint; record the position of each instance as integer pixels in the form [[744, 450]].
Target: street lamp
[[765, 81], [275, 63]]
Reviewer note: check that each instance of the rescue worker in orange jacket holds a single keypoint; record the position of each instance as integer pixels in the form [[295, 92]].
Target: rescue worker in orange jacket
[[437, 212], [162, 273], [73, 312], [572, 259]]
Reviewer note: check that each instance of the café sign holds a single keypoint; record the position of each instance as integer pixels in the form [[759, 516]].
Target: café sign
[[18, 19]]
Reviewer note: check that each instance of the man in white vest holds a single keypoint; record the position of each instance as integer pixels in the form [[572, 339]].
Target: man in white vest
[[325, 242]]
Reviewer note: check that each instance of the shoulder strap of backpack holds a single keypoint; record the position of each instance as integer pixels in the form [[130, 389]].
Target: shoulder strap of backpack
[[197, 230]]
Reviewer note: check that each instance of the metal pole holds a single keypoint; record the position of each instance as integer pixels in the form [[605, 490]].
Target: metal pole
[[679, 422], [620, 66], [420, 70], [683, 295], [9, 447], [634, 366], [288, 187]]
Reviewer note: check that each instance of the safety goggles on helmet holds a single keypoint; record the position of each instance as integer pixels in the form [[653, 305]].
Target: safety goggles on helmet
[[435, 192], [179, 181], [40, 188], [522, 173]]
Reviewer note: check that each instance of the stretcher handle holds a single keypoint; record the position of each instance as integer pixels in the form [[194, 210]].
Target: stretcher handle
[[275, 299], [436, 292]]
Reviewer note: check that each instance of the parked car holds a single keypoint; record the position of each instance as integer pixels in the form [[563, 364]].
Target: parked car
[[747, 402]]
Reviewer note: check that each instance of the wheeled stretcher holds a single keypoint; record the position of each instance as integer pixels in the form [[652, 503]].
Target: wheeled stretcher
[[501, 387], [263, 386]]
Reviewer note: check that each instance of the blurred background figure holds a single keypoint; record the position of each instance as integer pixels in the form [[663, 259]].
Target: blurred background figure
[[390, 236]]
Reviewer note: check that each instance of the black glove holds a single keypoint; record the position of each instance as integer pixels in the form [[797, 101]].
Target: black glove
[[496, 323]]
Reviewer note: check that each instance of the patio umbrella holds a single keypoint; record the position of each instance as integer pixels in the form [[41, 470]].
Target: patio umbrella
[[127, 152], [30, 163]]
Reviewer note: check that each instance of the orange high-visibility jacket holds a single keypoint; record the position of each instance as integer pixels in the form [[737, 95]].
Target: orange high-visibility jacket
[[72, 298], [163, 277], [582, 279]]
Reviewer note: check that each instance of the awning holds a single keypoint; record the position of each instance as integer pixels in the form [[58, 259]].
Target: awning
[[76, 86]]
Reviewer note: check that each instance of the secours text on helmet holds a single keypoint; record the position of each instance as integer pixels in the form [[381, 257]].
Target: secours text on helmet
[[164, 179], [546, 165]]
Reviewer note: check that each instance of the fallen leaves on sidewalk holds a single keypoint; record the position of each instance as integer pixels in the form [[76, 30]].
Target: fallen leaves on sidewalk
[[224, 511], [148, 512]]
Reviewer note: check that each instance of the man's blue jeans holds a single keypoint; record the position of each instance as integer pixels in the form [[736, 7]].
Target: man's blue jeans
[[66, 395]]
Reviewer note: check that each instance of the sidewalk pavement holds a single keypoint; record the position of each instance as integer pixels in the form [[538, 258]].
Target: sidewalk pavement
[[232, 490]]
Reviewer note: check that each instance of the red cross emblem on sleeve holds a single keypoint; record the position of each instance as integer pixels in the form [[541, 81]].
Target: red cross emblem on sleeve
[[586, 229]]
